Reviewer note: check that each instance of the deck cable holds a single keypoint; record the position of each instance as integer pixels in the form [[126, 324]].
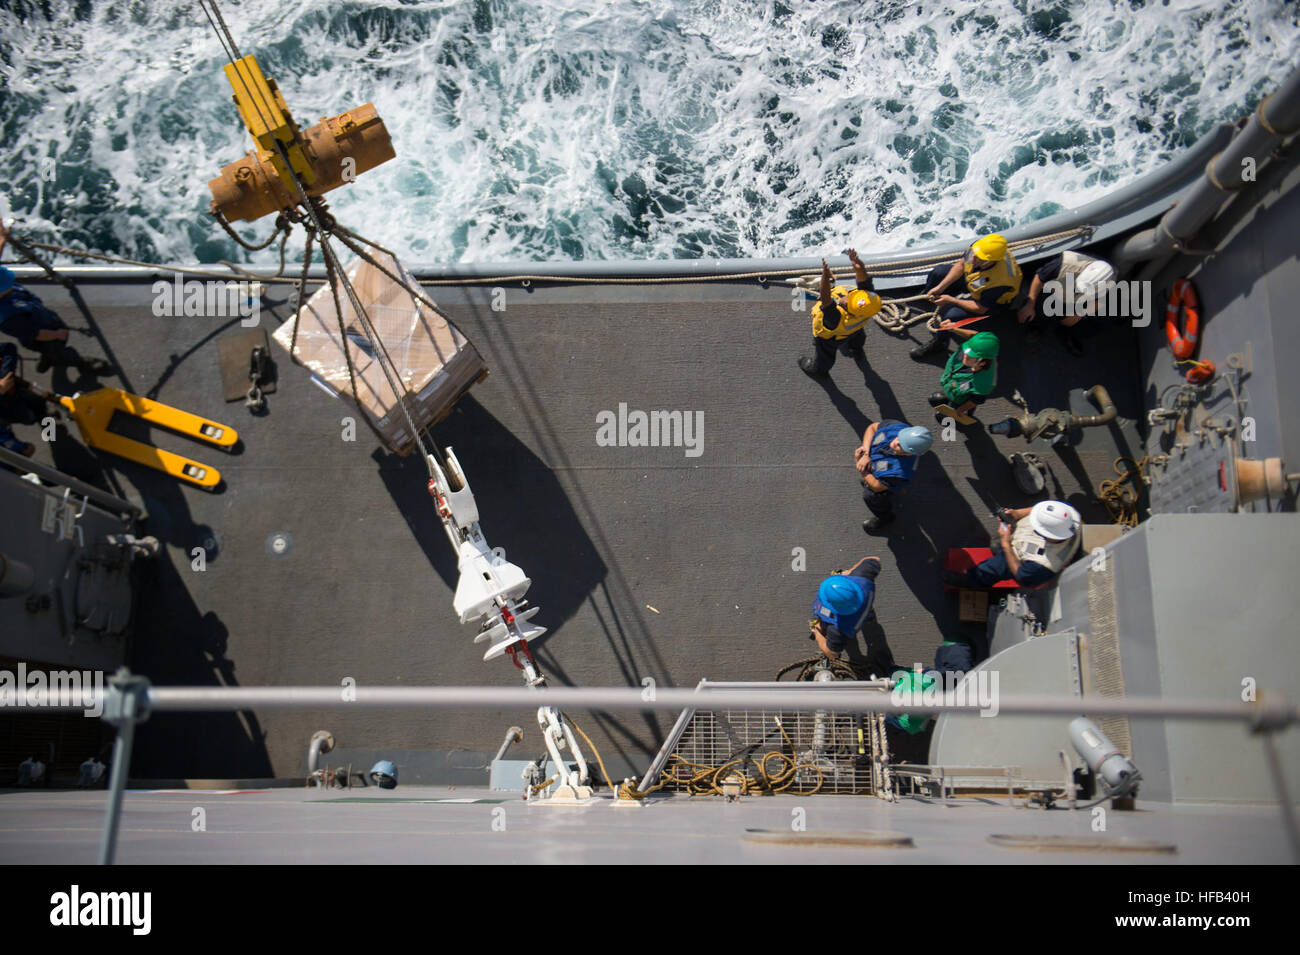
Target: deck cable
[[892, 268], [701, 779], [842, 669]]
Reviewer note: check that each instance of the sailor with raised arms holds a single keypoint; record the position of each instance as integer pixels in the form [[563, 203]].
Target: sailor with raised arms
[[839, 319]]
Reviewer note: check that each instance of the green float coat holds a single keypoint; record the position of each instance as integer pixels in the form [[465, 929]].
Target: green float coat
[[959, 382]]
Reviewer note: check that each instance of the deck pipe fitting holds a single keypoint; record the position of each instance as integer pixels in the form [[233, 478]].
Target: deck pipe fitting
[[1055, 424], [1275, 119], [513, 735], [322, 741]]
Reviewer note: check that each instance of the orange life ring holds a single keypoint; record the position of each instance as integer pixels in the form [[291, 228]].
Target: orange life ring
[[1183, 319]]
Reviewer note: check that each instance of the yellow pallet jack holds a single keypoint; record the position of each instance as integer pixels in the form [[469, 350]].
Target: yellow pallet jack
[[94, 410]]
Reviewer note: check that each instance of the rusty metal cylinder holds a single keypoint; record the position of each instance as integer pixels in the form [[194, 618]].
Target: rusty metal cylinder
[[339, 149], [1258, 480]]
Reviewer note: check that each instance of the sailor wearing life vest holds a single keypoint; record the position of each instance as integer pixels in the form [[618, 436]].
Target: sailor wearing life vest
[[26, 318], [968, 379], [1083, 281], [887, 459], [1045, 539], [987, 273], [839, 319], [843, 602]]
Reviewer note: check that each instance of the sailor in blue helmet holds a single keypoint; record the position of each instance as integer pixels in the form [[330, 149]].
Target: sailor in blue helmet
[[384, 774], [887, 459], [25, 317], [844, 601]]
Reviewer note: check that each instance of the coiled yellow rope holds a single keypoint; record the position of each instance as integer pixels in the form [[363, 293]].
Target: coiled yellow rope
[[1121, 496]]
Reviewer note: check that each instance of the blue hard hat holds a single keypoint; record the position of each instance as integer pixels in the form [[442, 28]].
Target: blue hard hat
[[841, 595], [915, 440], [842, 601], [7, 279], [384, 774]]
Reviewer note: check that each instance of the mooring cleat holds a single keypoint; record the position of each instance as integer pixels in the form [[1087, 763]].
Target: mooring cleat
[[566, 796]]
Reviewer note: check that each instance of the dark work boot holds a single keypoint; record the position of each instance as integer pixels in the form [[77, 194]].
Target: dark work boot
[[938, 398], [1069, 341], [94, 366], [809, 368], [935, 343], [57, 355], [873, 524]]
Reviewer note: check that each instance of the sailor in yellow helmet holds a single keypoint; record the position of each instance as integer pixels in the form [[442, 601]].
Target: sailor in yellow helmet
[[839, 319], [990, 278]]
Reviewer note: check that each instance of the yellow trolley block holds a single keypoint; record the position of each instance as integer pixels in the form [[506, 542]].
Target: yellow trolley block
[[93, 411]]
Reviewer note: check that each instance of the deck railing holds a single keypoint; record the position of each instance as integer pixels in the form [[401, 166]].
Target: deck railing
[[128, 699]]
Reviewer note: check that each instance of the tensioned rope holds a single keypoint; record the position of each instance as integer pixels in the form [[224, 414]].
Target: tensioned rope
[[888, 269], [335, 273], [895, 315]]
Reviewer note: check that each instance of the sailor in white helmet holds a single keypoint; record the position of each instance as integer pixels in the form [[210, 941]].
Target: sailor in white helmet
[[1066, 289], [1044, 540]]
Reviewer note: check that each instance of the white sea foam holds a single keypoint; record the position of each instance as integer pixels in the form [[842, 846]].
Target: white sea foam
[[641, 128]]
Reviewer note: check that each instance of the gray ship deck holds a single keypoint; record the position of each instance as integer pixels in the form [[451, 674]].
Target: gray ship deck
[[439, 825], [604, 532]]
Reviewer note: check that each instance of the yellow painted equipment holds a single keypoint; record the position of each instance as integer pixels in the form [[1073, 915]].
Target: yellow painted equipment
[[264, 112], [324, 157], [93, 411]]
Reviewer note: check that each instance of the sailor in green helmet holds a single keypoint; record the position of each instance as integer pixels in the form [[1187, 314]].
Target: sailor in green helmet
[[952, 661], [968, 378]]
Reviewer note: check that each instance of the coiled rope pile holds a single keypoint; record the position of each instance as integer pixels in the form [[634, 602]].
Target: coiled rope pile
[[750, 776], [841, 669], [1120, 496]]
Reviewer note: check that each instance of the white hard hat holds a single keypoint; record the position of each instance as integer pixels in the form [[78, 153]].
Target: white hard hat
[[1090, 283], [1055, 519]]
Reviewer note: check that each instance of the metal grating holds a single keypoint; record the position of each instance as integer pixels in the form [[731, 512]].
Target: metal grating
[[835, 753], [1105, 666], [1198, 476]]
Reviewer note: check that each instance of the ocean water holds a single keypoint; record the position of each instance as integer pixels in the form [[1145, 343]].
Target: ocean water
[[559, 129]]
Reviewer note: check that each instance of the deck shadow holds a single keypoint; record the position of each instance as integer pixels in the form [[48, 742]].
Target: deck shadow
[[846, 406], [178, 645], [932, 517], [522, 509]]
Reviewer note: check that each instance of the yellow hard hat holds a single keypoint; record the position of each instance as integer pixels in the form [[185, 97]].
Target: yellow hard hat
[[991, 248], [862, 304], [839, 293]]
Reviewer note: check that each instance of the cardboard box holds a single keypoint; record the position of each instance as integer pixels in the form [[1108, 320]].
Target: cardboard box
[[435, 363], [973, 606]]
